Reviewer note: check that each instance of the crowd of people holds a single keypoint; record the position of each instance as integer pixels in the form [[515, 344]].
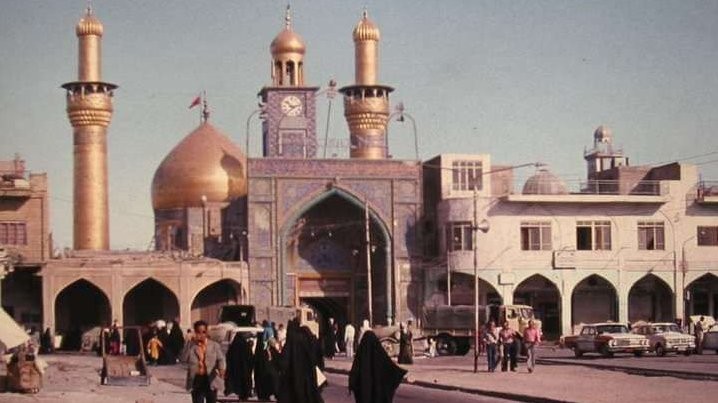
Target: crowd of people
[[287, 364], [503, 346]]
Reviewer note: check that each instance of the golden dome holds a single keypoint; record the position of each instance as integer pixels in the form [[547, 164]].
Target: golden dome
[[287, 41], [366, 30], [204, 165], [89, 25]]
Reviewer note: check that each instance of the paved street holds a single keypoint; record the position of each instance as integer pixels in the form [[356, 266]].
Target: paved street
[[74, 378]]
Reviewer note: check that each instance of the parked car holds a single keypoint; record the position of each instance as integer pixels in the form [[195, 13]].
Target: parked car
[[606, 339], [666, 337], [710, 339]]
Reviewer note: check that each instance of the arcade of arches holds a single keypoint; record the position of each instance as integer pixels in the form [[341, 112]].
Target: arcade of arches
[[149, 301], [650, 299], [79, 307], [594, 299], [540, 293], [206, 304], [702, 296]]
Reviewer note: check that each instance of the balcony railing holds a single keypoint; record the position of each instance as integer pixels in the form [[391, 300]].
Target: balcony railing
[[617, 187]]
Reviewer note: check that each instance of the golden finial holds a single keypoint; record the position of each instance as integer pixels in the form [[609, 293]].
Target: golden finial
[[205, 107], [288, 18], [365, 14]]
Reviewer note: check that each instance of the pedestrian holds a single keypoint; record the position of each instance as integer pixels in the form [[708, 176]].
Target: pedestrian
[[329, 340], [115, 339], [532, 337], [364, 328], [266, 373], [700, 328], [206, 365], [406, 350], [491, 340], [176, 339], [349, 333], [432, 347], [46, 345], [507, 337], [240, 363], [281, 336], [154, 348], [374, 377], [267, 334], [298, 378]]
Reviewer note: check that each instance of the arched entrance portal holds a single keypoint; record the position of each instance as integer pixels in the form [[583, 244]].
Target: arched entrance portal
[[702, 295], [594, 299], [542, 294], [149, 301], [208, 301], [462, 290], [325, 260], [650, 299], [78, 308]]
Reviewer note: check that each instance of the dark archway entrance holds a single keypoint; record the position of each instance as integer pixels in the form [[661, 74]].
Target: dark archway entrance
[[78, 308], [593, 300], [542, 294], [149, 301], [462, 290], [702, 296], [326, 261], [206, 304], [650, 299]]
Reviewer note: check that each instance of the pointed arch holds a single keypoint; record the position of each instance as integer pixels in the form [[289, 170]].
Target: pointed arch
[[650, 298], [594, 299], [80, 306], [702, 294], [462, 289], [543, 295], [381, 265], [149, 300], [207, 301]]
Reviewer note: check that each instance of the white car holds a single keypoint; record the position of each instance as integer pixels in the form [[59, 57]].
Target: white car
[[666, 337]]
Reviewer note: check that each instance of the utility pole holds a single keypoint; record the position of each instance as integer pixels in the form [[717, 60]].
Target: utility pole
[[368, 259], [474, 233]]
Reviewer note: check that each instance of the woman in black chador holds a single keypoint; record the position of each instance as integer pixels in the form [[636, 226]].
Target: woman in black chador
[[406, 348], [374, 377], [266, 370], [239, 367], [298, 379]]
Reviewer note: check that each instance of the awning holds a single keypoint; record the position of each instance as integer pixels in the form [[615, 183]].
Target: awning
[[11, 334]]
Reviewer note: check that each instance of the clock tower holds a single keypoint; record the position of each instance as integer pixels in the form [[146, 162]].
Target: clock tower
[[289, 129]]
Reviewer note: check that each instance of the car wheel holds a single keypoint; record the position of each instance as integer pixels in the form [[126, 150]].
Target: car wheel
[[638, 353], [578, 353], [687, 353], [660, 351], [606, 352], [446, 346]]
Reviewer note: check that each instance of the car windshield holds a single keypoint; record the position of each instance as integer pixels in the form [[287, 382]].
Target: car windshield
[[527, 313], [611, 329], [666, 328]]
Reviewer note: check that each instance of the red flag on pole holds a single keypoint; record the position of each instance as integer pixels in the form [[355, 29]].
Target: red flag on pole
[[195, 102]]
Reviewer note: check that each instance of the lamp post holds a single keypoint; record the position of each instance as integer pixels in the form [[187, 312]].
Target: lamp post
[[483, 226], [203, 199], [684, 270], [261, 111], [401, 116]]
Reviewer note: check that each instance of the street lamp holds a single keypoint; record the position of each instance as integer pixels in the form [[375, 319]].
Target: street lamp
[[477, 226], [262, 112], [401, 116]]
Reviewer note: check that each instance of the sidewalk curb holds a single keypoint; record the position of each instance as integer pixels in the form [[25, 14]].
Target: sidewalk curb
[[695, 376], [490, 393]]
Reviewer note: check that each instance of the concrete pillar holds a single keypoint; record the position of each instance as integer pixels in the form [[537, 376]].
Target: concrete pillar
[[622, 294], [117, 294], [184, 298], [507, 294], [48, 302], [566, 313]]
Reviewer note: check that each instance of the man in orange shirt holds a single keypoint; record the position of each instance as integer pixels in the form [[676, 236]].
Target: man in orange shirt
[[532, 337], [206, 365]]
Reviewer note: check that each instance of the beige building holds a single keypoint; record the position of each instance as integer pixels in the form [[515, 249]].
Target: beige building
[[25, 241], [627, 244]]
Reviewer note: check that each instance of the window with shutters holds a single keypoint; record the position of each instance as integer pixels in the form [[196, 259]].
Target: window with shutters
[[459, 236], [651, 235], [593, 235], [536, 235]]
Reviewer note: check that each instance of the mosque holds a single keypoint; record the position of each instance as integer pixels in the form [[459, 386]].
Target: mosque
[[286, 228], [366, 236]]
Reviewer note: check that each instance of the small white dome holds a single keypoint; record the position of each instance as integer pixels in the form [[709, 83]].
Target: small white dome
[[544, 183]]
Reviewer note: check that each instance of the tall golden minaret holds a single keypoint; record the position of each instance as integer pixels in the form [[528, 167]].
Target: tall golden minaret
[[366, 103], [89, 108]]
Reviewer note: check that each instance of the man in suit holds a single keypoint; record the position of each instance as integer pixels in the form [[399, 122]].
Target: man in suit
[[206, 365]]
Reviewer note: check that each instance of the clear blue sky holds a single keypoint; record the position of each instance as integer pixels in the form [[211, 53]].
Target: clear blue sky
[[522, 80]]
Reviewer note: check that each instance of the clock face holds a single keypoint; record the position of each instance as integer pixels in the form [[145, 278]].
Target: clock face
[[291, 105]]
